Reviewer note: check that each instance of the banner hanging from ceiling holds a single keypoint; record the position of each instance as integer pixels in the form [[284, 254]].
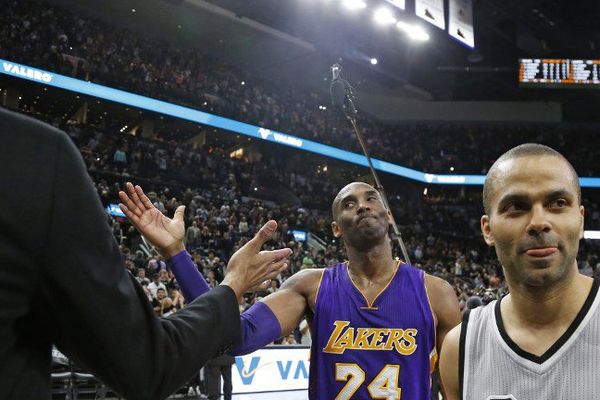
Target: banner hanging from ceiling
[[431, 11], [460, 21]]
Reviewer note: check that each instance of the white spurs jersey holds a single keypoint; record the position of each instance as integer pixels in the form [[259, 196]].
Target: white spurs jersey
[[493, 367]]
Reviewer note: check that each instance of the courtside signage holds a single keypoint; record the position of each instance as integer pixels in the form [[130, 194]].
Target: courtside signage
[[271, 369], [201, 117]]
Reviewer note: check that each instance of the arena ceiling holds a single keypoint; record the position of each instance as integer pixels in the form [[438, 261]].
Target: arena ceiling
[[297, 41]]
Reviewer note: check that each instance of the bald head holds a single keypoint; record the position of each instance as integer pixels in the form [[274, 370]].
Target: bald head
[[344, 192], [524, 150]]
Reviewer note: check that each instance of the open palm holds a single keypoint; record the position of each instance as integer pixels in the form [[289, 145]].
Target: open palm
[[164, 233]]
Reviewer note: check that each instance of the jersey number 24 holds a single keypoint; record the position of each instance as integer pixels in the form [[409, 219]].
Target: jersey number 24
[[383, 386]]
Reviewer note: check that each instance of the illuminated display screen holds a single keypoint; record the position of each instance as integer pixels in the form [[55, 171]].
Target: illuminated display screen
[[559, 73]]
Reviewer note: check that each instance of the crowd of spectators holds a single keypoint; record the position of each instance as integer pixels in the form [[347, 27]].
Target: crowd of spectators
[[223, 212], [227, 198], [223, 206], [38, 34]]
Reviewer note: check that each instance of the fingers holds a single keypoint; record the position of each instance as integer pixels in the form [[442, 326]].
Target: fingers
[[276, 269], [273, 272], [131, 215], [179, 213], [133, 195], [276, 255], [145, 200], [131, 206], [263, 235], [261, 287]]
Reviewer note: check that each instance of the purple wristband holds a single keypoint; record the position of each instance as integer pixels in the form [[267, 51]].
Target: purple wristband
[[259, 328], [190, 280]]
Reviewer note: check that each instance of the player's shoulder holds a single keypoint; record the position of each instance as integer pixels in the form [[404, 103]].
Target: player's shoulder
[[304, 280], [437, 287]]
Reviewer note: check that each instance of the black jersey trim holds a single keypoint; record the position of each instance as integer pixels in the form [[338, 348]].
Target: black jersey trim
[[560, 341], [461, 352]]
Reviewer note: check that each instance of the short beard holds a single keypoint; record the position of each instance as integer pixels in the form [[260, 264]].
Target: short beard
[[542, 279]]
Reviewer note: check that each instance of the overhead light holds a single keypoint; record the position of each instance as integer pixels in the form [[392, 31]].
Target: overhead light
[[415, 32], [133, 10], [374, 61], [354, 4], [384, 16]]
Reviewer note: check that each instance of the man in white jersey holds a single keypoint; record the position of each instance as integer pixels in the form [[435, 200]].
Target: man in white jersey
[[542, 341]]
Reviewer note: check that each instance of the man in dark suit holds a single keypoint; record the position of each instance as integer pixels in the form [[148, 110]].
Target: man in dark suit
[[62, 281]]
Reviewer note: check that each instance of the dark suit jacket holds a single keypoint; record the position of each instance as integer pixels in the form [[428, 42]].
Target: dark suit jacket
[[62, 280]]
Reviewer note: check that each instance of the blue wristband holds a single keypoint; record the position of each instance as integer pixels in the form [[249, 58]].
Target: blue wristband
[[189, 279], [259, 328]]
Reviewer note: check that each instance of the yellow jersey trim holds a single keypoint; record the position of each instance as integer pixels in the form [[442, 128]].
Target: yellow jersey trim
[[370, 304]]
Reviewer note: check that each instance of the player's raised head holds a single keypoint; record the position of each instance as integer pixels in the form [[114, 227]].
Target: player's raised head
[[359, 215]]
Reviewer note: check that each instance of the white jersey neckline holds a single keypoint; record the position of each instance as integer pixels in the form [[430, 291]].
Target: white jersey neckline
[[547, 360]]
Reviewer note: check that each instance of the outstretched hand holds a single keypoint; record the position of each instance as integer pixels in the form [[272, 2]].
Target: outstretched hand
[[164, 233], [249, 267]]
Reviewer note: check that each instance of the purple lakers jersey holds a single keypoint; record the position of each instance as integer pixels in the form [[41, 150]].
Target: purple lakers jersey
[[381, 350]]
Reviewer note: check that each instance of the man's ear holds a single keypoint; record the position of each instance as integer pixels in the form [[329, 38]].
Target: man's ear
[[335, 228], [390, 217], [486, 230]]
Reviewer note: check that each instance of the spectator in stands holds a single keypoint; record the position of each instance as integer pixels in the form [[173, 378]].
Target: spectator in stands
[[141, 276], [163, 305], [217, 368], [192, 236], [156, 284]]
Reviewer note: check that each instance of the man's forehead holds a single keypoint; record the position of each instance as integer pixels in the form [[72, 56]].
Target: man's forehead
[[354, 187], [531, 175], [533, 167]]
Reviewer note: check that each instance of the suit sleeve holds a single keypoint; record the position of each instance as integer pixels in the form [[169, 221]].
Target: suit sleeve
[[101, 317]]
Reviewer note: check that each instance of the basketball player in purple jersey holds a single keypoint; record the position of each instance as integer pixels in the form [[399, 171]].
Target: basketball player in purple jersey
[[377, 324]]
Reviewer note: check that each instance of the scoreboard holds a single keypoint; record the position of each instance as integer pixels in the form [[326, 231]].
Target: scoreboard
[[559, 73]]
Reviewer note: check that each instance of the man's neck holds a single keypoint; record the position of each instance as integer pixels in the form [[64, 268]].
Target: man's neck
[[374, 264], [541, 307]]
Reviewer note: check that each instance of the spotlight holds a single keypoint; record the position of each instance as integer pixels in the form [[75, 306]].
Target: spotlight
[[415, 32], [354, 4], [384, 16], [374, 61]]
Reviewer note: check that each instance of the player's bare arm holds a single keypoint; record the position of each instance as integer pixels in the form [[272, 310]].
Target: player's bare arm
[[296, 296], [449, 364], [445, 307]]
